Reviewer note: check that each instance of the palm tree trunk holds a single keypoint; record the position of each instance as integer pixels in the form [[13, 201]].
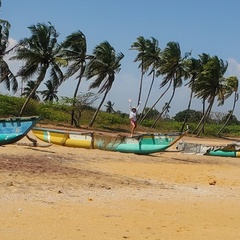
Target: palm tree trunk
[[201, 121], [149, 92], [150, 109], [188, 109], [75, 95], [203, 116], [206, 115], [140, 87], [230, 115], [38, 82], [100, 105], [159, 116]]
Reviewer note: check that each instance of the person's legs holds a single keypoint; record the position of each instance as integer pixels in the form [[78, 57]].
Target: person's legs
[[133, 126]]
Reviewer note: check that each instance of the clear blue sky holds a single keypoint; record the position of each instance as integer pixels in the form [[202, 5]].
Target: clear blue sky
[[206, 26]]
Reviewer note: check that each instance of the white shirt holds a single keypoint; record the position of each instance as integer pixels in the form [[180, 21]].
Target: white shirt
[[133, 115]]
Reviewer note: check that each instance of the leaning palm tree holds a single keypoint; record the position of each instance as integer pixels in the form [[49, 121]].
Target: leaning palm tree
[[6, 75], [231, 87], [140, 46], [193, 67], [50, 94], [173, 68], [103, 66], [40, 52], [209, 85], [75, 52], [151, 60]]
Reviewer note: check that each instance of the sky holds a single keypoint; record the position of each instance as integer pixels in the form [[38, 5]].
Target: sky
[[206, 26]]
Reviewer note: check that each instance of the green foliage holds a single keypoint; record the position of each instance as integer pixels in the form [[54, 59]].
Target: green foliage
[[59, 114], [233, 119], [193, 116], [10, 106], [110, 119], [53, 112]]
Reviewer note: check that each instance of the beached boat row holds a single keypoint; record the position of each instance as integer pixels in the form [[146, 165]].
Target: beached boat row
[[14, 129]]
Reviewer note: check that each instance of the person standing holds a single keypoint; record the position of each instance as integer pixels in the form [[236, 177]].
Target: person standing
[[133, 116]]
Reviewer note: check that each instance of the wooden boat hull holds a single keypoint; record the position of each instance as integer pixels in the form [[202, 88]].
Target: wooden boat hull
[[64, 138], [229, 150], [142, 144], [14, 129], [223, 153]]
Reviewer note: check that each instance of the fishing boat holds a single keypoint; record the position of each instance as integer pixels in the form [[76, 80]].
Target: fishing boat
[[140, 144], [229, 150], [65, 138], [15, 128]]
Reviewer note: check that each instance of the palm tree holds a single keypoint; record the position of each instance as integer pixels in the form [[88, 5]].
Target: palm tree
[[151, 59], [231, 87], [193, 67], [74, 50], [109, 107], [103, 66], [209, 85], [28, 89], [50, 94], [40, 53], [140, 46], [6, 76], [173, 67]]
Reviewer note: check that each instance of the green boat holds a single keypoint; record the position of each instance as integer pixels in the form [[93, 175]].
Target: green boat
[[143, 144], [15, 128], [230, 150]]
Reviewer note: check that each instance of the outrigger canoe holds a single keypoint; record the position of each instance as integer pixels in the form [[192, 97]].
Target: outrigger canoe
[[15, 128], [141, 144], [229, 150]]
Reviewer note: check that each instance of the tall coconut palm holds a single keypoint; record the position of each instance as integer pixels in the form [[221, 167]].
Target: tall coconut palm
[[193, 67], [6, 75], [75, 52], [151, 60], [40, 52], [209, 85], [109, 107], [103, 66], [231, 87], [50, 94], [28, 89], [140, 46], [173, 68]]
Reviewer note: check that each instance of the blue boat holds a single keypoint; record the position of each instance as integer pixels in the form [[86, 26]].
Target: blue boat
[[15, 128]]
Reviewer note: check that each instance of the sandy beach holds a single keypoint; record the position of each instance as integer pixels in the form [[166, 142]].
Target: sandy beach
[[61, 193]]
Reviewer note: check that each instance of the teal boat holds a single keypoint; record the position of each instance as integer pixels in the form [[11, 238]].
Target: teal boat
[[140, 144], [143, 144], [229, 150], [15, 128]]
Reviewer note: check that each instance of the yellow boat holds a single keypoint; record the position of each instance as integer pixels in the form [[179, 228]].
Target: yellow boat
[[65, 138]]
